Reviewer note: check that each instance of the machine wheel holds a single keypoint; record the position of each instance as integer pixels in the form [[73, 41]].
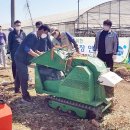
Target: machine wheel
[[46, 102], [73, 113], [94, 113], [90, 114], [59, 109]]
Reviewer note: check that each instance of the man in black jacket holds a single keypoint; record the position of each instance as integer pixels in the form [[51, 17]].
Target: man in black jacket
[[14, 40]]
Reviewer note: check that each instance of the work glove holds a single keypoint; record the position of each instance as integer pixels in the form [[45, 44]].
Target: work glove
[[114, 57], [95, 54]]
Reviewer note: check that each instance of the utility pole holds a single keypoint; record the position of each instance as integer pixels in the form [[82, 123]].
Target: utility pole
[[78, 14], [78, 20], [12, 12]]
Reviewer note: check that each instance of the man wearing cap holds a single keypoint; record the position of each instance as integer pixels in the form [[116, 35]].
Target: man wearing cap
[[64, 40]]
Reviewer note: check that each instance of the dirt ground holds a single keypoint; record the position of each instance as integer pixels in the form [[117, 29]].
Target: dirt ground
[[38, 116]]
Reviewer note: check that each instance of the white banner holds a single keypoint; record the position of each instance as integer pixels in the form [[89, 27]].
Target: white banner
[[123, 50], [86, 47]]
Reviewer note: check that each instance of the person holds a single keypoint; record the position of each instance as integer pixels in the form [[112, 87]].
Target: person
[[2, 48], [47, 43], [38, 24], [64, 40], [16, 36], [106, 44], [29, 48], [10, 29]]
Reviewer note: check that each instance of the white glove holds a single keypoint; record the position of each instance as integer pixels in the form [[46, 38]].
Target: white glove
[[114, 57], [95, 54]]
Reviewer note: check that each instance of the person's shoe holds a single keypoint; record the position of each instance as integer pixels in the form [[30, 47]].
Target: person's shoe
[[26, 100], [17, 92]]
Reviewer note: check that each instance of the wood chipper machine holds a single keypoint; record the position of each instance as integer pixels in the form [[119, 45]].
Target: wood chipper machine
[[74, 83]]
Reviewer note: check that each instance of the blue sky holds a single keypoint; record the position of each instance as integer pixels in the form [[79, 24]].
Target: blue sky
[[42, 8]]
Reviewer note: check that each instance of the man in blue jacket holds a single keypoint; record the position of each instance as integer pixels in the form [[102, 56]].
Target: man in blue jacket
[[32, 46], [47, 43], [14, 40]]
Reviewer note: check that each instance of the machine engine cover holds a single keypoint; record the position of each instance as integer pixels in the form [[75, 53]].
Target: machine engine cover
[[109, 79]]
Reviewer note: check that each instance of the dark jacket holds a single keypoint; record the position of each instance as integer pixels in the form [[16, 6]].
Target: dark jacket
[[46, 44], [14, 40], [31, 42]]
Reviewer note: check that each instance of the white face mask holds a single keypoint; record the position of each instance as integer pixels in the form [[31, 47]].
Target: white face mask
[[43, 35], [18, 28], [106, 28]]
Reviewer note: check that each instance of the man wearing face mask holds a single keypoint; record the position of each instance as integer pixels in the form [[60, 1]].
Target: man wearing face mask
[[46, 42], [106, 44], [15, 38], [28, 49]]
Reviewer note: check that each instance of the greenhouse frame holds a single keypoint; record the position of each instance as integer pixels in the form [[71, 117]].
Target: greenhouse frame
[[90, 19]]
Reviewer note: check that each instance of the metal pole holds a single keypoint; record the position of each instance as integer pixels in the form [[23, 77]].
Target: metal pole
[[119, 14], [78, 17], [119, 17], [87, 25], [110, 11], [12, 12]]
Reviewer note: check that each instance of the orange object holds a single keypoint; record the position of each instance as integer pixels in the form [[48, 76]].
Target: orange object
[[5, 117]]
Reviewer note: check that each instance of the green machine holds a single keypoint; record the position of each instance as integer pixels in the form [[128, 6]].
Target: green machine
[[74, 83]]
